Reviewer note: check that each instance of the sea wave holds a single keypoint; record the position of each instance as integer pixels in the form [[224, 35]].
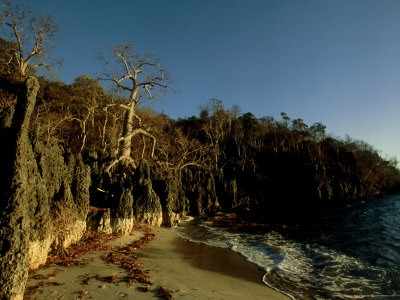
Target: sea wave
[[300, 269]]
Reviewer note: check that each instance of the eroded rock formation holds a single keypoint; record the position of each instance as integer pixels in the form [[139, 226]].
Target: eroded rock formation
[[99, 220], [19, 199], [146, 203], [175, 205], [44, 197]]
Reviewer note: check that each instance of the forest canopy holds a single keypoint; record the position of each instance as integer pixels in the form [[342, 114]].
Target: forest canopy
[[112, 125]]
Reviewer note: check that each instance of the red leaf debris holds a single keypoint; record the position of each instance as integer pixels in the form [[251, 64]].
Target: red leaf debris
[[29, 291], [164, 293], [90, 242], [124, 257]]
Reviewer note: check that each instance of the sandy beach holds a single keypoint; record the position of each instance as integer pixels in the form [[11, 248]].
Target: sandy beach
[[188, 270]]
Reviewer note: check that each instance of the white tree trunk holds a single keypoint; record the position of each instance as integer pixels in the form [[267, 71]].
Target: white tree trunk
[[125, 146]]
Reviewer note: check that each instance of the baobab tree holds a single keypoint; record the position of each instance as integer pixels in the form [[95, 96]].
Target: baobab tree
[[31, 37], [140, 78]]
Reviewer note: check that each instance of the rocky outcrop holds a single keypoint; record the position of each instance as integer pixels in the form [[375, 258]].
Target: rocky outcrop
[[146, 204], [80, 184], [117, 191], [77, 182], [200, 189], [174, 203], [19, 199], [37, 183], [122, 213], [38, 250], [99, 219], [61, 219]]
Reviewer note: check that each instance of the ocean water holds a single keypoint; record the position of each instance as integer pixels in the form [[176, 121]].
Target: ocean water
[[351, 251]]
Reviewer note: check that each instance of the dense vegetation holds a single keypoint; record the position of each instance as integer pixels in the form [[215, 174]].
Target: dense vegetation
[[268, 162], [255, 163]]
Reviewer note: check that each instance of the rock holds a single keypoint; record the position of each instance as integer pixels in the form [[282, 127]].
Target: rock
[[174, 204], [118, 197], [67, 182], [75, 232], [146, 205], [80, 187], [99, 220], [51, 169], [38, 251], [122, 214], [34, 180], [131, 196], [200, 189], [233, 194], [211, 204], [19, 190]]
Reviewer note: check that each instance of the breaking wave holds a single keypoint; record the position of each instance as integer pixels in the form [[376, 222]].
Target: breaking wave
[[360, 259]]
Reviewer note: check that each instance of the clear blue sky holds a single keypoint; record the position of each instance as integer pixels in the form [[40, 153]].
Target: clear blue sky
[[330, 61]]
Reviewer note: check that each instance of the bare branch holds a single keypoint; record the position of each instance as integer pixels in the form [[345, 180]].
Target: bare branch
[[141, 77], [31, 34], [143, 132], [148, 91]]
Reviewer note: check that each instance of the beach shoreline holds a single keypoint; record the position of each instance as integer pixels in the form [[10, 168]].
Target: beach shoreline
[[189, 270]]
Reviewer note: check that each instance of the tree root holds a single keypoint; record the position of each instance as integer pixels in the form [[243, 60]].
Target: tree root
[[128, 159]]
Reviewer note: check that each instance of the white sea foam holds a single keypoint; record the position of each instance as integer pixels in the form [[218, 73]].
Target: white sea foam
[[298, 268]]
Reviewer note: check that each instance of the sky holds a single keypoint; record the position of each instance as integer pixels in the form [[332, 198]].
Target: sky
[[330, 61]]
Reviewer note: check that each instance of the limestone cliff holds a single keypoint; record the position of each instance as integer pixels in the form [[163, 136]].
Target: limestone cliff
[[37, 179]]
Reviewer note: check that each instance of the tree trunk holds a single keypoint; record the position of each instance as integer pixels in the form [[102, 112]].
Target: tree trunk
[[125, 145]]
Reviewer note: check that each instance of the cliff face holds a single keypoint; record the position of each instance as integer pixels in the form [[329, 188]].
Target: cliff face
[[146, 205], [290, 186], [45, 190], [175, 205], [130, 195], [20, 186], [153, 200], [36, 178]]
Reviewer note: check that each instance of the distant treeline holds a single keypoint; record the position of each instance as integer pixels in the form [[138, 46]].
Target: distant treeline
[[256, 163], [270, 160]]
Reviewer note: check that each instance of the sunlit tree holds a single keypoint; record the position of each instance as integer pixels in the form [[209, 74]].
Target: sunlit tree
[[31, 37], [139, 77]]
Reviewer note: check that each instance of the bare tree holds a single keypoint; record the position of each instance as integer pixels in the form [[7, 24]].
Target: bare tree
[[139, 77], [109, 125], [88, 97], [180, 151], [32, 36]]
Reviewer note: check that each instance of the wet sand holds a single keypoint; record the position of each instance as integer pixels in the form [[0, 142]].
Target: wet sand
[[222, 261], [189, 270]]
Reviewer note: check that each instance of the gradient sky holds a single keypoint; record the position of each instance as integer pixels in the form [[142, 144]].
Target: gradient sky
[[330, 61]]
